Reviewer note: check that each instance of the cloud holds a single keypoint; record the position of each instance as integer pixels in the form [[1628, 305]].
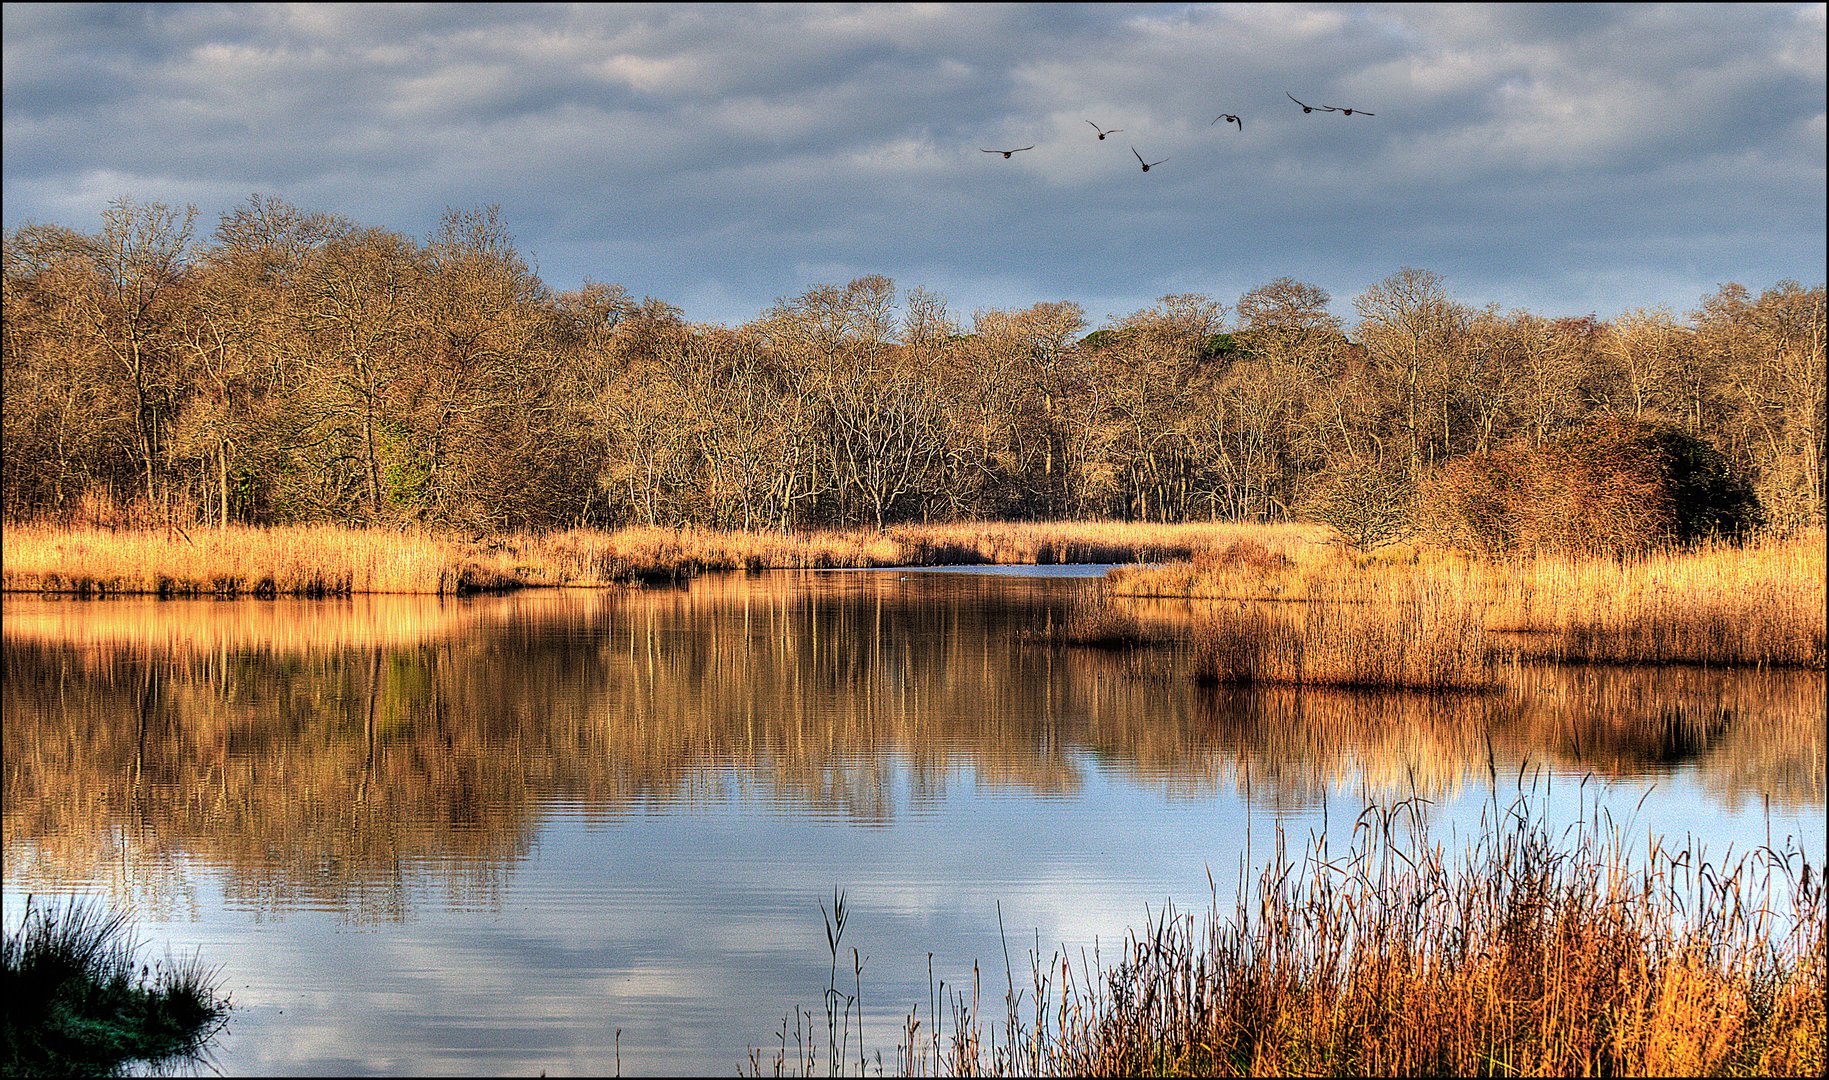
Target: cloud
[[711, 150]]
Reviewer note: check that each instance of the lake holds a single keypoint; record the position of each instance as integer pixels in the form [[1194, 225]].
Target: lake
[[576, 831]]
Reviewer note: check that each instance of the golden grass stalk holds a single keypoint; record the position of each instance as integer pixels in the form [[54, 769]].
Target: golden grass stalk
[[332, 560], [309, 560], [1761, 604], [1533, 953], [1093, 620], [1419, 635]]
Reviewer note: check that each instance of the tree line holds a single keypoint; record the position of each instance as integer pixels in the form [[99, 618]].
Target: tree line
[[296, 366]]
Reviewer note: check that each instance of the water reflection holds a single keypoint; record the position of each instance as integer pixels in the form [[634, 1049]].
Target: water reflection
[[350, 756]]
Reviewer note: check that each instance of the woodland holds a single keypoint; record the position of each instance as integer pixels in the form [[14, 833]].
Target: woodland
[[297, 367]]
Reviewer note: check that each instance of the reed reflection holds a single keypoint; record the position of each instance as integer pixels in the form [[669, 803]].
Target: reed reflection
[[350, 755]]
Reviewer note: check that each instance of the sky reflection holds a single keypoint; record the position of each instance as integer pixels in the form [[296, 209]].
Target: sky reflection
[[486, 837]]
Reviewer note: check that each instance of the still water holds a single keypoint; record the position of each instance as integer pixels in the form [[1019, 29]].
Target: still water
[[580, 831]]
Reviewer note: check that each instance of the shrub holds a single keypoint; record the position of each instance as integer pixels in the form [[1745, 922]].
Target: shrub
[[1367, 502], [1612, 489]]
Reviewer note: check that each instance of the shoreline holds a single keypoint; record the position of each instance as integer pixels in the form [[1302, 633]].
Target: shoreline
[[338, 560]]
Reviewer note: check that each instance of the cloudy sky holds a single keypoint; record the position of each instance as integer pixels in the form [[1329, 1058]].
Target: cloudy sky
[[1563, 159]]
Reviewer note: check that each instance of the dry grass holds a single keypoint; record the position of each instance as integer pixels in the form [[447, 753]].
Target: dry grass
[[1528, 955], [1267, 562], [1042, 543], [301, 560], [1423, 634], [330, 561], [1093, 620], [1761, 604]]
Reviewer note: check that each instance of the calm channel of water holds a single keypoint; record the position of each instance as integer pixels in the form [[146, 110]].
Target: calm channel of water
[[536, 832]]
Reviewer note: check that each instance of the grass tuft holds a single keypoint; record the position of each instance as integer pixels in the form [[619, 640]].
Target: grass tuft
[[78, 1003]]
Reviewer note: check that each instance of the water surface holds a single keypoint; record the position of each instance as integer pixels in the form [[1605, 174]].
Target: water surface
[[489, 835]]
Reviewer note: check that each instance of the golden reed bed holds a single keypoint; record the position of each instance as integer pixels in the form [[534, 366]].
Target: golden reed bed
[[1534, 953], [1760, 605], [321, 560], [1411, 617]]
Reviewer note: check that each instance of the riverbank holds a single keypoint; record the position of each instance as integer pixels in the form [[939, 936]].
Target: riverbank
[[1274, 609], [322, 560]]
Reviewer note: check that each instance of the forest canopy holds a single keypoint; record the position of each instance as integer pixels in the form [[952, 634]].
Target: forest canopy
[[295, 366]]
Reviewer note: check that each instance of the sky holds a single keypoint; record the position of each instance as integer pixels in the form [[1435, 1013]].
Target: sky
[[1563, 159]]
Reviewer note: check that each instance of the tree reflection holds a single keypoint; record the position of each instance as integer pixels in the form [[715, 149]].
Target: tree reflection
[[348, 754]]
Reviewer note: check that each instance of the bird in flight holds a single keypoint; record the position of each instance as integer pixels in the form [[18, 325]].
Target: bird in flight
[[1007, 153], [1230, 119], [1147, 165], [1349, 112], [1305, 108], [1104, 131]]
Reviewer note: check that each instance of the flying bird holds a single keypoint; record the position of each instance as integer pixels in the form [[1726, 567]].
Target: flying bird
[[1305, 108], [1104, 131], [1147, 165], [1007, 153], [1230, 119], [1350, 112]]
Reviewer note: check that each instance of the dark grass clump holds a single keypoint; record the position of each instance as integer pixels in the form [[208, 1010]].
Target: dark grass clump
[[77, 1002]]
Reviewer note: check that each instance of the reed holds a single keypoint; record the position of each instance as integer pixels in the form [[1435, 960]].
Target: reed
[[1758, 604], [311, 560], [77, 1002], [1761, 604], [1533, 952], [1422, 634], [1092, 619], [332, 561]]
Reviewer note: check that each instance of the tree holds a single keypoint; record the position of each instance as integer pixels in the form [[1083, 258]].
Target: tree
[[141, 256], [1365, 500], [356, 309], [1770, 392], [1413, 330]]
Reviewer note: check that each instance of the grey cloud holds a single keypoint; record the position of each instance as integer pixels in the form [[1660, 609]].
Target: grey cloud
[[1599, 155]]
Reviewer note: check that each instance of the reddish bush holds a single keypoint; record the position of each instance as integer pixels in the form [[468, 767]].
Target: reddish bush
[[1614, 489]]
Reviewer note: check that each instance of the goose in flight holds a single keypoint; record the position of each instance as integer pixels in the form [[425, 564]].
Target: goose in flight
[[1104, 131], [1147, 165], [1349, 112], [1307, 108], [1007, 153], [1230, 119]]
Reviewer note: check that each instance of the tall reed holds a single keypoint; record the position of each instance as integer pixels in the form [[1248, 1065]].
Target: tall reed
[[1758, 604], [331, 560], [1418, 635], [310, 560], [1533, 952], [1761, 604]]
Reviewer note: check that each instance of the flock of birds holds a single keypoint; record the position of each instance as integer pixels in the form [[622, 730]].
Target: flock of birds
[[1230, 118]]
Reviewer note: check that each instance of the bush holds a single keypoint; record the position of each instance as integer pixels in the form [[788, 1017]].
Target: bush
[[1613, 489], [1367, 502]]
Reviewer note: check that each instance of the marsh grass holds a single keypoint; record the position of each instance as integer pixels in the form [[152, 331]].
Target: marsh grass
[[78, 1002], [1759, 604], [1533, 952], [293, 560], [334, 561], [1417, 635], [1092, 619]]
